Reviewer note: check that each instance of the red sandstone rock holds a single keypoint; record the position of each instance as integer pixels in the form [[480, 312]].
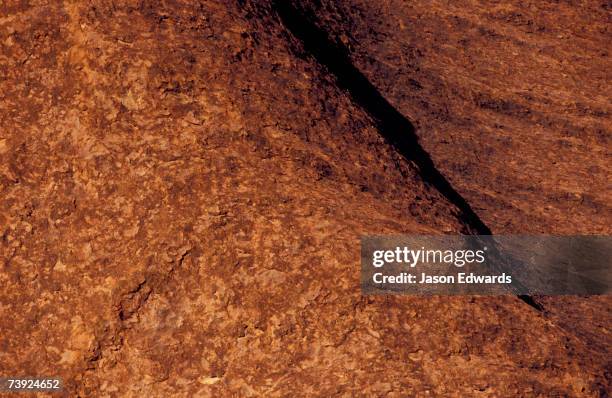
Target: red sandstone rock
[[183, 186]]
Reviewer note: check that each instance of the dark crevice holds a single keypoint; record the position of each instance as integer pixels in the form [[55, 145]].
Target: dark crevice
[[529, 300], [394, 127]]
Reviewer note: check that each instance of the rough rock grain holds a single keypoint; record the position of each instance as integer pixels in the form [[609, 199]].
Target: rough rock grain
[[182, 190]]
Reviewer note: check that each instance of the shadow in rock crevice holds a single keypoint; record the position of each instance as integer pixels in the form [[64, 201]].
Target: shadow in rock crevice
[[394, 126]]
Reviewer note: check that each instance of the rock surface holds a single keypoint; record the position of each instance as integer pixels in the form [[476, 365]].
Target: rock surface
[[183, 186]]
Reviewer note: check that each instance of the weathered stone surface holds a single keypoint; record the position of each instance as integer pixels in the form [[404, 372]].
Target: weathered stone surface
[[181, 195], [510, 99]]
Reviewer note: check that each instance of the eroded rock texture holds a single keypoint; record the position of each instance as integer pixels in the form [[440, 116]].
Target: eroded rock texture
[[511, 98], [183, 185]]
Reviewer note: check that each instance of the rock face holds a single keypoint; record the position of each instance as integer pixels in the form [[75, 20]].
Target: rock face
[[183, 186], [510, 99]]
